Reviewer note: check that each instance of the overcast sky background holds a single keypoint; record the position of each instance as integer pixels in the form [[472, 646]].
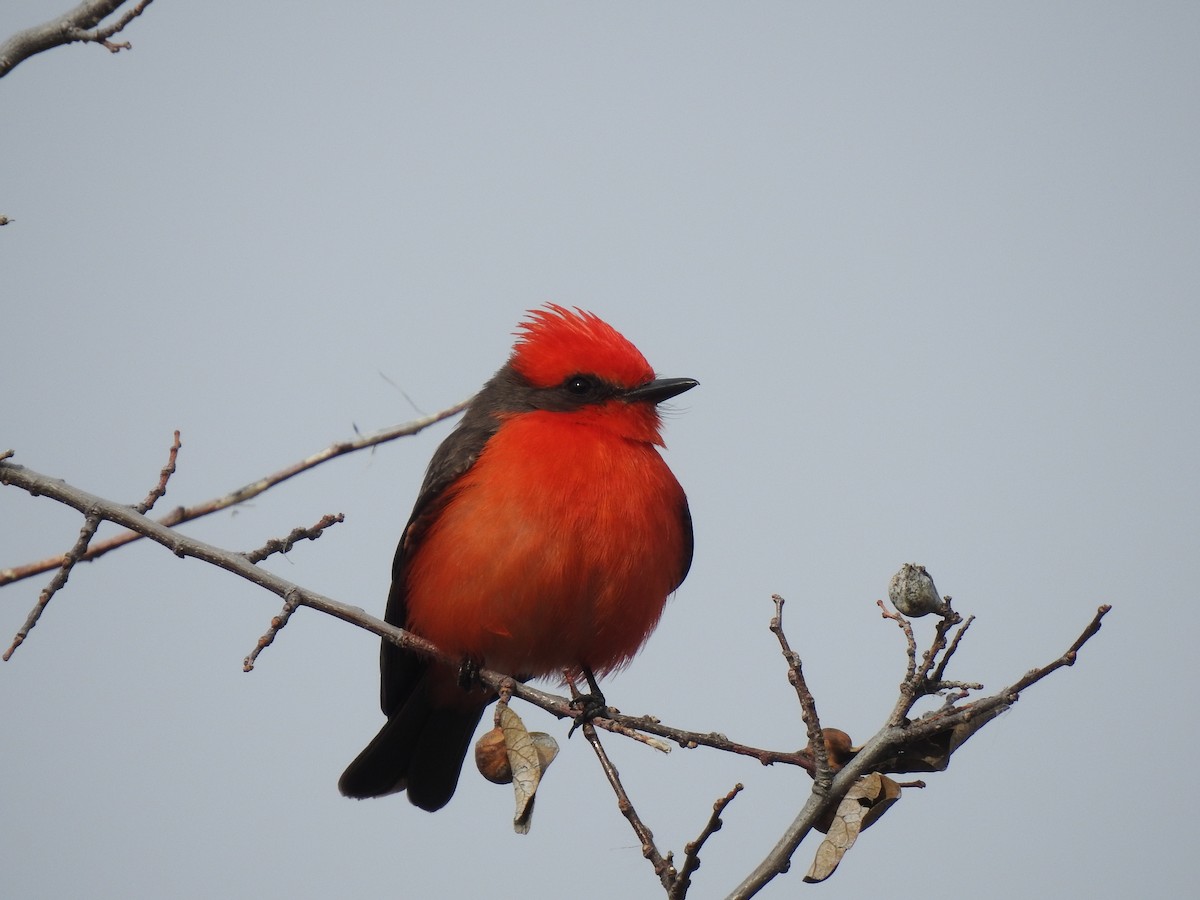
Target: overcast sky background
[[935, 266]]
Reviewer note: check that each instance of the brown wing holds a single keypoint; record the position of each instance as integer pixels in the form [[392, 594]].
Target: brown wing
[[401, 669]]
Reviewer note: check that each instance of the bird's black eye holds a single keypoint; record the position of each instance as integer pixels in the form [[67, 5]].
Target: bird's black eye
[[579, 385]]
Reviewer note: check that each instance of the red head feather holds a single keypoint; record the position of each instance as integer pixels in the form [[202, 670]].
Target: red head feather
[[555, 343]]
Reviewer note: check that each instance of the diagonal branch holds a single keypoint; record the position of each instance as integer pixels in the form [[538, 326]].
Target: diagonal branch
[[285, 545], [186, 514], [81, 24], [664, 866], [72, 556], [808, 704], [183, 545], [925, 744]]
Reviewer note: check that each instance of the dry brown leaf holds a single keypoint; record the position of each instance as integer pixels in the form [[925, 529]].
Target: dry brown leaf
[[884, 792], [511, 753], [491, 754], [862, 806], [932, 754]]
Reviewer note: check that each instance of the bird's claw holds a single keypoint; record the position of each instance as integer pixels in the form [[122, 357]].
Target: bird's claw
[[468, 673], [590, 706]]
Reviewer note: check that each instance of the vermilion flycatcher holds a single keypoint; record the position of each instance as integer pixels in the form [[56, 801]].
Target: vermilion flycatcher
[[547, 536]]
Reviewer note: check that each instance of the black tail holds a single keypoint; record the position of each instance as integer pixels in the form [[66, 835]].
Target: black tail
[[420, 749]]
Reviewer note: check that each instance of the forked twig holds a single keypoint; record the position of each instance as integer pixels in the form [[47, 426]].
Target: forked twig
[[691, 850]]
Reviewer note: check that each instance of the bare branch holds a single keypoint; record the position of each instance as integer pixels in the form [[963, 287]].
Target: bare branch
[[940, 672], [277, 545], [183, 546], [277, 623], [187, 514], [1067, 659], [237, 563], [917, 681], [691, 850], [91, 523], [81, 24], [808, 705], [86, 533], [923, 745], [941, 731], [689, 740], [904, 625], [160, 489], [664, 867]]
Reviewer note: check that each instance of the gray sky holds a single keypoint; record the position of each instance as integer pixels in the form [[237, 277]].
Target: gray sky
[[934, 265]]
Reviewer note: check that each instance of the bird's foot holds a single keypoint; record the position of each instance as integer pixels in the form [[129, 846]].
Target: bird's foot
[[590, 705], [468, 673]]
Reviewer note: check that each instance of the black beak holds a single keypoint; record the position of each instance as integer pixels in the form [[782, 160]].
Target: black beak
[[660, 389]]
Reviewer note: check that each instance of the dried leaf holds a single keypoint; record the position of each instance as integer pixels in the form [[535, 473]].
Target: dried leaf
[[528, 757], [932, 754], [862, 806], [885, 792], [491, 754]]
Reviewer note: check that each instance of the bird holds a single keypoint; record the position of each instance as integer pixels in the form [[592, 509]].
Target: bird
[[546, 539]]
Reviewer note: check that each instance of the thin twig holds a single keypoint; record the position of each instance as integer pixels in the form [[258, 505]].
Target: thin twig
[[187, 514], [72, 556], [634, 735], [808, 705], [930, 659], [940, 672], [284, 545], [689, 740], [691, 850], [102, 35], [917, 681], [277, 623], [965, 686], [882, 747], [160, 489], [79, 24], [663, 866], [78, 551], [1067, 659], [906, 627]]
